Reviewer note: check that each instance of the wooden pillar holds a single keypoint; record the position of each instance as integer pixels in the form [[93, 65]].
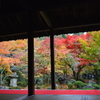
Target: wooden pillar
[[52, 59], [30, 55]]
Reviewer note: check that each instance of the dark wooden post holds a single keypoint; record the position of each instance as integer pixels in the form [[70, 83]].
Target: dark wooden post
[[52, 59], [30, 55]]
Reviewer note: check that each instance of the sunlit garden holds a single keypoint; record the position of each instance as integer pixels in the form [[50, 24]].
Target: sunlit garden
[[77, 62]]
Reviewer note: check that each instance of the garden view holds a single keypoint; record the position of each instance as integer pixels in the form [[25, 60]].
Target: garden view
[[77, 62]]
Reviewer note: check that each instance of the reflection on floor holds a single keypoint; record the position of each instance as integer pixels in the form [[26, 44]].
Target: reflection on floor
[[48, 97]]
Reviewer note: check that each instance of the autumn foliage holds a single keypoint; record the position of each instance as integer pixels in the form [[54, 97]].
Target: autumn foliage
[[73, 54]]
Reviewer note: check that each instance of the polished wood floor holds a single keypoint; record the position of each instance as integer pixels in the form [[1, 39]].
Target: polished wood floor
[[48, 97]]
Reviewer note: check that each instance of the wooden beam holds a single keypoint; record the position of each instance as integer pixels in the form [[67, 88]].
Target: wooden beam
[[40, 18], [52, 59], [30, 54], [11, 23], [3, 25], [19, 20], [46, 18], [74, 12]]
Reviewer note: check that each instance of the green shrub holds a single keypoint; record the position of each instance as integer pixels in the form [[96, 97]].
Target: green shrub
[[49, 88], [81, 80], [57, 81], [88, 89], [18, 87], [96, 86], [7, 81], [21, 77], [79, 84], [70, 85], [23, 84], [38, 87]]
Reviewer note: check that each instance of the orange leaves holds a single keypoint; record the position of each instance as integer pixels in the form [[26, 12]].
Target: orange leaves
[[5, 62], [18, 44], [7, 53], [3, 51], [4, 48]]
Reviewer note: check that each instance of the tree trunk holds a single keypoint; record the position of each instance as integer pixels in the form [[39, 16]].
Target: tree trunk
[[74, 74], [77, 75], [96, 75]]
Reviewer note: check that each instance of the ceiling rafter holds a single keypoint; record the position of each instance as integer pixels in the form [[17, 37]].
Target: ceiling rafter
[[86, 10], [62, 13], [40, 18], [3, 25], [74, 11], [46, 18], [20, 20], [73, 17], [11, 23], [13, 37]]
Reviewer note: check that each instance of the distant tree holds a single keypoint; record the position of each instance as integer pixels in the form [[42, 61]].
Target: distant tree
[[91, 48], [75, 62]]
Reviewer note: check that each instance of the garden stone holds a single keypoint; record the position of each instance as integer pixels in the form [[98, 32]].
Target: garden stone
[[88, 86], [92, 77], [92, 82], [13, 80], [1, 82], [72, 81], [65, 81], [62, 80], [69, 82], [1, 87], [57, 85], [6, 87], [13, 76], [14, 68]]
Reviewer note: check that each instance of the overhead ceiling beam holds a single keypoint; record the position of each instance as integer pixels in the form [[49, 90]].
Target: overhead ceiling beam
[[74, 11], [11, 22], [5, 38], [23, 4], [62, 14], [57, 28], [3, 25], [19, 20], [46, 18], [86, 10], [40, 18]]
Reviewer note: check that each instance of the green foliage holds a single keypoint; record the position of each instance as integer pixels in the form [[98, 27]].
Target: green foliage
[[96, 86], [81, 80], [79, 84], [57, 80], [70, 85], [67, 58], [38, 87], [88, 89], [21, 77], [18, 87], [7, 81], [22, 80], [49, 88], [23, 84]]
